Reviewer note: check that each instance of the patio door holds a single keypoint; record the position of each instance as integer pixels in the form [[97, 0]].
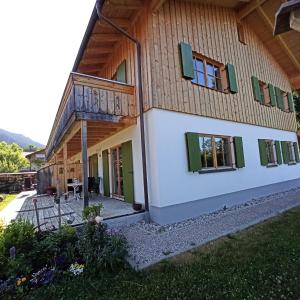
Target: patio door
[[117, 172]]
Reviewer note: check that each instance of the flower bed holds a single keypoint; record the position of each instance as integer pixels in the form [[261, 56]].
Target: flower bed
[[30, 259]]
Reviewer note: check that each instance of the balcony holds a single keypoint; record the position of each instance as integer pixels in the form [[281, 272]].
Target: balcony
[[97, 100]]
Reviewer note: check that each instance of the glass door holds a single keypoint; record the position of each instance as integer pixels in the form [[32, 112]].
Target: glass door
[[117, 172]]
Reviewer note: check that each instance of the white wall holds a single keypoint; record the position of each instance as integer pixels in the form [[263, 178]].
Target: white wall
[[170, 181], [132, 133]]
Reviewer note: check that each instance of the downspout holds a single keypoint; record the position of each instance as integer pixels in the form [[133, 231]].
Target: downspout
[[99, 4]]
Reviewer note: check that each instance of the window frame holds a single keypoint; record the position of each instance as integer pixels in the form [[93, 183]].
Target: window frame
[[290, 146], [206, 60], [231, 155], [264, 91], [274, 162]]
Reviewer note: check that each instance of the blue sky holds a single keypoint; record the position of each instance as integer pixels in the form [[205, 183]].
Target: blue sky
[[39, 43]]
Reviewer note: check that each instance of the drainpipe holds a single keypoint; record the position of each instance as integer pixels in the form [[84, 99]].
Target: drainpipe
[[99, 4]]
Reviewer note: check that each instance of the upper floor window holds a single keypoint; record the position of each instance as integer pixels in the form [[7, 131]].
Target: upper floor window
[[207, 73], [264, 93]]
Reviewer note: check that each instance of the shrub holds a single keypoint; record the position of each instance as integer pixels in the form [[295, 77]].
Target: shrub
[[91, 212], [100, 249]]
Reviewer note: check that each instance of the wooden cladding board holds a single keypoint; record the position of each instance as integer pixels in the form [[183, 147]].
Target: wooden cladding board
[[212, 31], [94, 100]]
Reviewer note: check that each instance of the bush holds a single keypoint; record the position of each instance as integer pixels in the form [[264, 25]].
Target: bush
[[101, 248], [91, 212]]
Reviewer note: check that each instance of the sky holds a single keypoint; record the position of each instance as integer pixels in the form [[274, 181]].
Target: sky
[[39, 43]]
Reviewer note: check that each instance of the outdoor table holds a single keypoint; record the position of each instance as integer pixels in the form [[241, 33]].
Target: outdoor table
[[75, 185]]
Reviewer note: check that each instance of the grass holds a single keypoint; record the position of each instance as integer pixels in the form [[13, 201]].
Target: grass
[[7, 200], [260, 263]]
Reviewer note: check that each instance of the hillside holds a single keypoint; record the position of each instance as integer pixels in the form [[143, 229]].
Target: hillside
[[20, 139]]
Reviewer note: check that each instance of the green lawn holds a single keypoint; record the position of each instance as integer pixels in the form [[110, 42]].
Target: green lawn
[[260, 263], [7, 200]]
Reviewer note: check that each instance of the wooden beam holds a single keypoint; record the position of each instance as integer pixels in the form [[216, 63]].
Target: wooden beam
[[105, 37], [125, 4], [249, 8], [280, 39], [156, 5], [84, 147], [121, 22]]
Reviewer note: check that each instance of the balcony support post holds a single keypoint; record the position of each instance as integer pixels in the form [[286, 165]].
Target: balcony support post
[[65, 155], [84, 163]]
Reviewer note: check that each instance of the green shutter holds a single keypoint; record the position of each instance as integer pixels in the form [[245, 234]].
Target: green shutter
[[121, 72], [291, 102], [105, 173], [279, 98], [285, 153], [128, 182], [296, 149], [231, 75], [272, 94], [239, 152], [263, 152], [94, 162], [193, 151], [278, 152], [186, 60], [256, 89]]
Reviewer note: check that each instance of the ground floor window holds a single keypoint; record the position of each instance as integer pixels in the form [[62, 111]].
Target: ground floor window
[[215, 151], [291, 152], [271, 152]]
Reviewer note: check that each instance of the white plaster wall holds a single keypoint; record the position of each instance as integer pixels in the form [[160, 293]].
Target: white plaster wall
[[131, 133], [170, 181]]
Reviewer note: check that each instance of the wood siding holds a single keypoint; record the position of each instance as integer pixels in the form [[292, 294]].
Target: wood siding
[[212, 31]]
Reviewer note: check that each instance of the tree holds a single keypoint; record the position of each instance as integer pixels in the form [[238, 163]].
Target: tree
[[11, 158], [296, 95]]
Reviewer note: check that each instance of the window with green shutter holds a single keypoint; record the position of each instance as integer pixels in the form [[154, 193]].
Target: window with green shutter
[[285, 154], [121, 72], [279, 98], [256, 89], [232, 80], [208, 152], [239, 152], [278, 153], [291, 102], [186, 60], [262, 145], [272, 95], [296, 151], [193, 151]]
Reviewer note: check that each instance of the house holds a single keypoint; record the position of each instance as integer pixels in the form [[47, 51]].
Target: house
[[37, 159], [182, 106]]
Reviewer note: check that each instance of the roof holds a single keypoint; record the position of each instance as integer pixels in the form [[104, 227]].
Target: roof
[[29, 154]]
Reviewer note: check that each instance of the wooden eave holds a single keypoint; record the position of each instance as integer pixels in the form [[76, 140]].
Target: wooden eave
[[285, 48]]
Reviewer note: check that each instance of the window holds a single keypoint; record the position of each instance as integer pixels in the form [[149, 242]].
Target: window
[[291, 152], [215, 151], [285, 102], [207, 73], [264, 93], [271, 152]]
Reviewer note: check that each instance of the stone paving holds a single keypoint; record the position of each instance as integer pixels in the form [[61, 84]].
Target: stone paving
[[151, 243]]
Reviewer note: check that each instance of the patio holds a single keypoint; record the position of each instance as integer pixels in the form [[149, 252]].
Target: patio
[[71, 210]]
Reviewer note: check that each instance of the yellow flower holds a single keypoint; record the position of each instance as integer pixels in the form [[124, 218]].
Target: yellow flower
[[23, 279], [19, 282]]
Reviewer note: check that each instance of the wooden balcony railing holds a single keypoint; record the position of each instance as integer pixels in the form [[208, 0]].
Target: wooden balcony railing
[[91, 98]]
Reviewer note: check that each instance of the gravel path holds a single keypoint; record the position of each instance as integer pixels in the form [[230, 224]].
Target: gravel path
[[151, 243]]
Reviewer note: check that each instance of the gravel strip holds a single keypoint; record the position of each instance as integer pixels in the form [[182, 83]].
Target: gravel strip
[[151, 243]]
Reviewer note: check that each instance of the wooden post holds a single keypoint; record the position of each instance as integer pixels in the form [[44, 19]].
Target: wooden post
[[84, 163], [65, 156]]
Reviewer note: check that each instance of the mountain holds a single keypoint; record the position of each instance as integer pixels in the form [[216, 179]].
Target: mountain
[[20, 139]]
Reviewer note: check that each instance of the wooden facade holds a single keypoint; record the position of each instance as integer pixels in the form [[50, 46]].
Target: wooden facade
[[211, 30]]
